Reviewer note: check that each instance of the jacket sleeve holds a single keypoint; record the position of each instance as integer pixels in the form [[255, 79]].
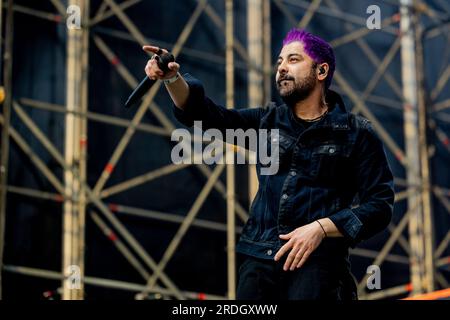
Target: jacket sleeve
[[375, 189], [200, 108]]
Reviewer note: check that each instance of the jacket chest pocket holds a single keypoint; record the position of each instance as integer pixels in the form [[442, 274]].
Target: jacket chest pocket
[[330, 163], [279, 147]]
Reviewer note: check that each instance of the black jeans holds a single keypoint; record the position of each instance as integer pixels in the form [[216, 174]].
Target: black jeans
[[261, 279]]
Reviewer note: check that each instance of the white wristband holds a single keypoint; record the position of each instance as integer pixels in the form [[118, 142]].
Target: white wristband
[[173, 79]]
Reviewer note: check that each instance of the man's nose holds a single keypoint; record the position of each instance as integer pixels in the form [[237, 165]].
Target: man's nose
[[282, 68]]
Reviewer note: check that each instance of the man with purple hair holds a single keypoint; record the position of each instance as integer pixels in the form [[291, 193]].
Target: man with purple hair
[[333, 189]]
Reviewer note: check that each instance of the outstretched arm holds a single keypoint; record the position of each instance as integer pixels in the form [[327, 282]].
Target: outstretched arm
[[192, 104]]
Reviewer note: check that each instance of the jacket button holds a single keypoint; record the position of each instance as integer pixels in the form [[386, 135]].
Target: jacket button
[[269, 252], [284, 196], [293, 173], [331, 150]]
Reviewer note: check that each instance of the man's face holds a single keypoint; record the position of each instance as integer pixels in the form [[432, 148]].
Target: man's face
[[296, 74]]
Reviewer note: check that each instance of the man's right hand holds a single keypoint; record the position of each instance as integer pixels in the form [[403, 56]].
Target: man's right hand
[[153, 71], [178, 89]]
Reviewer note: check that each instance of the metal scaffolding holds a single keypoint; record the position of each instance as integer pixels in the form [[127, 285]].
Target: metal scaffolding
[[78, 198], [75, 154], [5, 117]]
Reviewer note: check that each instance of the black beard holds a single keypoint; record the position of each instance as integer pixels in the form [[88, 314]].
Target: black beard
[[299, 92]]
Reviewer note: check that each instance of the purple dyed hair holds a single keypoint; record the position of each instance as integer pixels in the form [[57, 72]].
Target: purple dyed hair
[[318, 49]]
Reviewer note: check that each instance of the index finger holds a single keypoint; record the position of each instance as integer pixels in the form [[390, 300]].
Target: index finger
[[153, 49], [283, 250]]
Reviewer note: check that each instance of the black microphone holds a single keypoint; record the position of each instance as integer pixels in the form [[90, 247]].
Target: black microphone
[[163, 63]]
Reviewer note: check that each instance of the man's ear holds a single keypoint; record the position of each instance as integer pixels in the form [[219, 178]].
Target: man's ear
[[322, 71]]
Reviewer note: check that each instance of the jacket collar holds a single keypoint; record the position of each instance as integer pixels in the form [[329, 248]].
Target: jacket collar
[[338, 118]]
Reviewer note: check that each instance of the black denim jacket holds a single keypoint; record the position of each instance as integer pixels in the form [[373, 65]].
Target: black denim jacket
[[336, 168]]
